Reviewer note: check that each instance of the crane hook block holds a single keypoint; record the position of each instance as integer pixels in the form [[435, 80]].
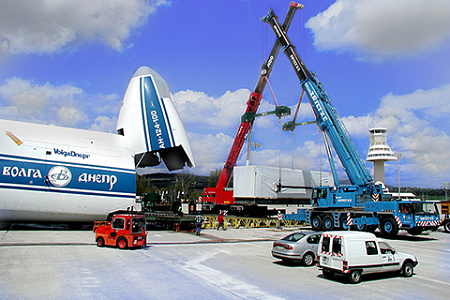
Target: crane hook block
[[282, 111]]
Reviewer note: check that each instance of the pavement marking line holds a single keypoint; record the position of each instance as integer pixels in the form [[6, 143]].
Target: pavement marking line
[[227, 283]]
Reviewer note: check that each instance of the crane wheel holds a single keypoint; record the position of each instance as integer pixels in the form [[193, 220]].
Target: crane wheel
[[389, 228], [316, 223]]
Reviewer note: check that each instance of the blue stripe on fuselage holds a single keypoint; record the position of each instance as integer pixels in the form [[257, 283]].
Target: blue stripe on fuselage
[[34, 174], [64, 191]]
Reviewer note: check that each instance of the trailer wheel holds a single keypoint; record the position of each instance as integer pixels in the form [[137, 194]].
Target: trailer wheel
[[328, 223], [122, 243], [316, 223], [389, 227], [355, 276], [100, 242], [447, 225]]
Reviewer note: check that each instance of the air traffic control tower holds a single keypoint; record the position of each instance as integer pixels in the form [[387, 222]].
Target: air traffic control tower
[[379, 152]]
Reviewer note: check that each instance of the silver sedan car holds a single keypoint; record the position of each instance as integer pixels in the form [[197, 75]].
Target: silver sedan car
[[297, 247]]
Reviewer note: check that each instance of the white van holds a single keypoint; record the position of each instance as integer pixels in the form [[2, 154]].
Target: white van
[[353, 253]]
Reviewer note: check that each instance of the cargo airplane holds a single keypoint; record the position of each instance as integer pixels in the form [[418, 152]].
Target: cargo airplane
[[56, 174]]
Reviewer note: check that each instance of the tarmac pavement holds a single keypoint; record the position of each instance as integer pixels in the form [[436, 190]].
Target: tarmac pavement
[[87, 237], [43, 263]]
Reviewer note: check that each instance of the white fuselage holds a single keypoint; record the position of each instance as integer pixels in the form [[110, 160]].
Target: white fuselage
[[50, 173], [57, 174]]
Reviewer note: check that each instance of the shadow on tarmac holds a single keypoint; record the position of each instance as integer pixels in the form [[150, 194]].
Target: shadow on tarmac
[[291, 264], [365, 277], [407, 237], [47, 226]]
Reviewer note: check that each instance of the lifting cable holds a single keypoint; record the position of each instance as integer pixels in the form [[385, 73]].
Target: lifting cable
[[271, 91], [279, 134], [297, 109]]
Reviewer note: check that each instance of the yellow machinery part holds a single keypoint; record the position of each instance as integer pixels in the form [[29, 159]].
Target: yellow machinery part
[[246, 222]]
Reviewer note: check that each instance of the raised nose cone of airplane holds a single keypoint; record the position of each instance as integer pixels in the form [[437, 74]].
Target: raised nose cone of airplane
[[151, 125]]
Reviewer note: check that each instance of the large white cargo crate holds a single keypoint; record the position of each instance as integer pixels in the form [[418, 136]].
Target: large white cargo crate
[[260, 182]]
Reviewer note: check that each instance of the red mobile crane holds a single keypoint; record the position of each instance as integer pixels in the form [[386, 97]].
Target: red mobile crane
[[218, 195]]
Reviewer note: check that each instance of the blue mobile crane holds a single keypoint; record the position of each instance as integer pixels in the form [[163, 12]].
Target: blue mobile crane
[[363, 204]]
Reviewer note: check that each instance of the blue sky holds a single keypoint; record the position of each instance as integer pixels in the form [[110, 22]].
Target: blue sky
[[383, 63]]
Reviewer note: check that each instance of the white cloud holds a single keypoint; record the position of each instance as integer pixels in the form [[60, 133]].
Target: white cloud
[[209, 150], [49, 26], [203, 110], [211, 123], [70, 116], [221, 113], [105, 124], [31, 101], [64, 105], [417, 126], [378, 29]]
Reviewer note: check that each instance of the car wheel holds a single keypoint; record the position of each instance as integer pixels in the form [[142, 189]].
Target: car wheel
[[407, 269], [122, 243], [389, 227], [100, 242], [316, 223], [328, 223], [308, 259], [355, 276]]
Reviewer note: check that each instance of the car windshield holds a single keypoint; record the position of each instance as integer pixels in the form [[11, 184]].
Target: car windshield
[[385, 248], [137, 225], [295, 237]]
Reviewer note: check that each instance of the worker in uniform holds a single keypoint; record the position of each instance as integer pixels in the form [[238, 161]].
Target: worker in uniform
[[280, 220], [198, 221], [220, 221]]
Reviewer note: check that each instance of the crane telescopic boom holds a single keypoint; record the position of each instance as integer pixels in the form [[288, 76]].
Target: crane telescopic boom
[[327, 116], [363, 205], [218, 195]]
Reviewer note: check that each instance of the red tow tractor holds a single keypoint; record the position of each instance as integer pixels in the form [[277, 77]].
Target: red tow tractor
[[123, 231]]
